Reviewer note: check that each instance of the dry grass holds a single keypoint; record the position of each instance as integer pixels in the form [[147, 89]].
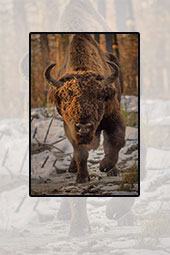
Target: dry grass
[[129, 179], [131, 118], [156, 226]]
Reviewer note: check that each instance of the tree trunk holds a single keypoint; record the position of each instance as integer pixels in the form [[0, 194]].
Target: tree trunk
[[20, 22], [129, 17], [109, 42], [97, 37], [120, 10], [102, 8], [115, 46], [45, 59], [44, 50]]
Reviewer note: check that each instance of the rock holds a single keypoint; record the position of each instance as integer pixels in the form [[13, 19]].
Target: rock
[[127, 165], [158, 159], [112, 179], [110, 188], [74, 190], [95, 190], [126, 193], [154, 109], [99, 152], [131, 148], [135, 187], [131, 133], [113, 172], [94, 161], [35, 115], [71, 187], [129, 103], [60, 171], [155, 139]]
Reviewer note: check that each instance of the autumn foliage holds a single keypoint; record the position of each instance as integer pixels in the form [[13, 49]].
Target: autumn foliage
[[49, 48]]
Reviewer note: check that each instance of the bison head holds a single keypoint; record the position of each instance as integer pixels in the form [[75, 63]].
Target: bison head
[[80, 98]]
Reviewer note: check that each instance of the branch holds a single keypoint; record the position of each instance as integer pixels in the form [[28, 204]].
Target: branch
[[35, 132], [48, 129], [58, 141], [45, 162]]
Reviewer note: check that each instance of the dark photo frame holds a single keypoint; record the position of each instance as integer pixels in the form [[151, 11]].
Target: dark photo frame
[[44, 150]]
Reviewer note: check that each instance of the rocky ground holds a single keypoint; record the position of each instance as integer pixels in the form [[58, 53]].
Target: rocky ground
[[31, 226], [51, 155]]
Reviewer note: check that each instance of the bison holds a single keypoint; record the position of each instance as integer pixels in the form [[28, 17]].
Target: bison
[[87, 93], [91, 19], [75, 210]]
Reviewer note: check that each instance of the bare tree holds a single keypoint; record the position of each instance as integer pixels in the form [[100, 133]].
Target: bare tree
[[102, 7], [120, 10], [129, 16], [97, 37], [115, 46], [45, 57], [109, 42]]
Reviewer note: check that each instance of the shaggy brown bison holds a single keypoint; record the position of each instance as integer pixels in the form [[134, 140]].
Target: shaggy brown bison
[[87, 94]]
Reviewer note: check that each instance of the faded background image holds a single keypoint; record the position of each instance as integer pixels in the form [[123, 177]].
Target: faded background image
[[32, 225]]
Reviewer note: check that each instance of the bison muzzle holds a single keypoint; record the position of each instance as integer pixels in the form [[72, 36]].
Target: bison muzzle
[[87, 94]]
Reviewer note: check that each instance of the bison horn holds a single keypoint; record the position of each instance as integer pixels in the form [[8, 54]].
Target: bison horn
[[110, 79], [51, 80]]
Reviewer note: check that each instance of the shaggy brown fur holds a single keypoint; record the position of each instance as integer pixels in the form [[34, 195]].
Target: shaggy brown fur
[[89, 102]]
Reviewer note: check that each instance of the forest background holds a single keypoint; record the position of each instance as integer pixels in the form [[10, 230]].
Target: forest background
[[49, 48]]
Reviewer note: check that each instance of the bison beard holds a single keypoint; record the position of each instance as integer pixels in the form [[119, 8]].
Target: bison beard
[[87, 95]]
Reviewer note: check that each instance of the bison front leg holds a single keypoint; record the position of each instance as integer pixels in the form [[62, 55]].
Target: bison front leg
[[64, 212], [79, 219], [80, 156], [73, 166], [114, 140]]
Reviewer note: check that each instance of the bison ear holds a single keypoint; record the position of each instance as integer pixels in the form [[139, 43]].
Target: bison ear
[[109, 93]]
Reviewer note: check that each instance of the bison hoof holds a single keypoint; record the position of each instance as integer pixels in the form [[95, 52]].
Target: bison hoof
[[113, 172], [79, 229], [82, 179], [72, 169], [106, 165]]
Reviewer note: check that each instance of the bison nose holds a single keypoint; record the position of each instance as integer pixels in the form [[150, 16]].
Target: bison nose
[[83, 129]]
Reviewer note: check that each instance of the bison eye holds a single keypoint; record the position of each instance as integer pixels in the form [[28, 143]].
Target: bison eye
[[100, 99]]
